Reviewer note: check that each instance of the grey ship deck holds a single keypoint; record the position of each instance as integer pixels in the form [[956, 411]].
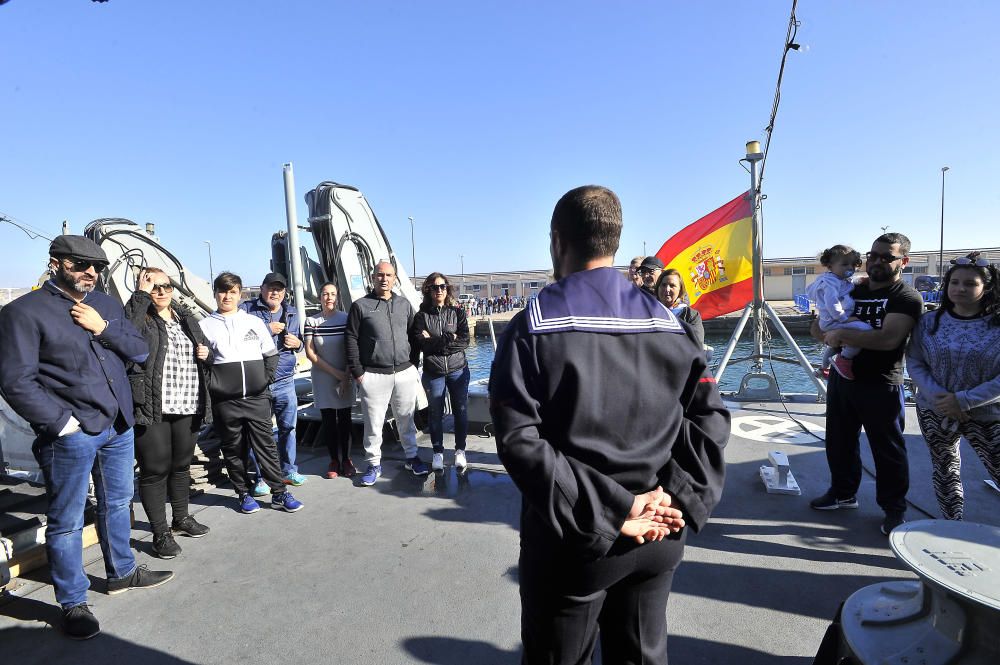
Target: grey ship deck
[[424, 570]]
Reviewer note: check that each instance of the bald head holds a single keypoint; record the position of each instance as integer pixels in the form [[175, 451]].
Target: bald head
[[383, 279]]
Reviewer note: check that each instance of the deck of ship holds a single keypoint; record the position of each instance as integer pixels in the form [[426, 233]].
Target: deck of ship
[[424, 570]]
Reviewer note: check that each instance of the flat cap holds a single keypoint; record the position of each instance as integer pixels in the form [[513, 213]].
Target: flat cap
[[77, 247], [651, 263], [272, 277]]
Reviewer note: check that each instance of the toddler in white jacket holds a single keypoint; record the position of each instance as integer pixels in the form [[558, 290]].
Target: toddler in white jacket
[[832, 294]]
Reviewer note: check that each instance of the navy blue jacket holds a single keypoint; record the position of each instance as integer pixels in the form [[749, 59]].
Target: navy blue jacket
[[51, 368], [598, 393], [290, 317]]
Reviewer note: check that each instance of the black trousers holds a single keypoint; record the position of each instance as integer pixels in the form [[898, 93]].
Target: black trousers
[[564, 602], [878, 407], [337, 433], [164, 451], [242, 425]]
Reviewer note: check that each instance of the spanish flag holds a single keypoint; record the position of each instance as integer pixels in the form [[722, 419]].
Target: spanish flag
[[715, 257]]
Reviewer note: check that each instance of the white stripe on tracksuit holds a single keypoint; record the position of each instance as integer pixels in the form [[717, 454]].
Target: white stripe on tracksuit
[[380, 391]]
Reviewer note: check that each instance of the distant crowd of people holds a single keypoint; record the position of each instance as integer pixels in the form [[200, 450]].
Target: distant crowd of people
[[494, 305]]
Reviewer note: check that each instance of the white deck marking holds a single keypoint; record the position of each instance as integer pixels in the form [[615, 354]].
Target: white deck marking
[[774, 429]]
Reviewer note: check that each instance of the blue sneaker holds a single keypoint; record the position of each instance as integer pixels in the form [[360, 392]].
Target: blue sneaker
[[371, 475], [248, 505], [294, 479], [261, 489], [285, 501], [417, 466]]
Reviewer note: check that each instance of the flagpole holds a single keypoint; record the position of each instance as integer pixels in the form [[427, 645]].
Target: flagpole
[[756, 384], [754, 156]]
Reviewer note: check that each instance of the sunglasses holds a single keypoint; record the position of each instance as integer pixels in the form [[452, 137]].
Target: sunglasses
[[82, 265], [966, 261], [163, 288], [887, 257], [439, 287]]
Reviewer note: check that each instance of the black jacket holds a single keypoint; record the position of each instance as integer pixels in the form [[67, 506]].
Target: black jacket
[[146, 378], [598, 393], [444, 350], [692, 317]]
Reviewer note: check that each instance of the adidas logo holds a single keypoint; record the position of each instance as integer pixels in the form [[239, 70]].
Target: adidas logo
[[251, 336]]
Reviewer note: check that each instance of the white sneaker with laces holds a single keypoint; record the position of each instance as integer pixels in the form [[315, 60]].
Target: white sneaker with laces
[[437, 462], [460, 461]]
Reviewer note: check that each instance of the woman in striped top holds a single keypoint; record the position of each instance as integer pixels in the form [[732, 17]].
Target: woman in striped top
[[333, 389]]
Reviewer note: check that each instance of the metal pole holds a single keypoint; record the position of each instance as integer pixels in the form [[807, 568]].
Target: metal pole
[[293, 242], [754, 156], [211, 270], [461, 257], [413, 249], [941, 249]]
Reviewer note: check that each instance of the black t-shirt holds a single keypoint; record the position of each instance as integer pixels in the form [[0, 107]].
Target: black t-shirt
[[872, 306]]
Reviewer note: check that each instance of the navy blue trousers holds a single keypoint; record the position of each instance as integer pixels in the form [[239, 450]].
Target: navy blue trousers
[[878, 408]]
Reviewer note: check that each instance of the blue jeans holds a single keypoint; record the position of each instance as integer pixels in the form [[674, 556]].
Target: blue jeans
[[457, 383], [67, 464], [285, 405]]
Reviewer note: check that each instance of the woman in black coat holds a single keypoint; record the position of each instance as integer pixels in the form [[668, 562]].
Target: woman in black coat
[[171, 403], [441, 331]]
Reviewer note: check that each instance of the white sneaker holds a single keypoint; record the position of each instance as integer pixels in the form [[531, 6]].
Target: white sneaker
[[437, 463], [460, 461]]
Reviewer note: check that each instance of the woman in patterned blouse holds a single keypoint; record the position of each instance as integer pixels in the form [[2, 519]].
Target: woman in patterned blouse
[[171, 403], [954, 360]]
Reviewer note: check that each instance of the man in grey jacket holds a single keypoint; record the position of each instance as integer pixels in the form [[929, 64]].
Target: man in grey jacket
[[378, 355]]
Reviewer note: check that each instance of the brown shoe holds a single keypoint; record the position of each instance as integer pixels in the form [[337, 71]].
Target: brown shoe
[[348, 470], [333, 470]]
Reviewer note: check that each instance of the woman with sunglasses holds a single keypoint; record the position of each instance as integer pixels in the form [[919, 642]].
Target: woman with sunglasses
[[954, 360], [670, 291], [171, 404], [441, 332], [333, 389]]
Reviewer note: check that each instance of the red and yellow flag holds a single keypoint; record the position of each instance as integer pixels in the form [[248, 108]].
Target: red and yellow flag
[[715, 257]]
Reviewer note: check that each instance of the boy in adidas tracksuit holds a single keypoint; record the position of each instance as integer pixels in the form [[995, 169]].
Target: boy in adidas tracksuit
[[243, 360]]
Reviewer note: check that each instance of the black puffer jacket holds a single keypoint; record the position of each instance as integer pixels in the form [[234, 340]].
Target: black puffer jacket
[[444, 350], [146, 378]]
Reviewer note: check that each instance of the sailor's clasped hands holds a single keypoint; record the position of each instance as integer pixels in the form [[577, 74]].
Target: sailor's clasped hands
[[652, 517]]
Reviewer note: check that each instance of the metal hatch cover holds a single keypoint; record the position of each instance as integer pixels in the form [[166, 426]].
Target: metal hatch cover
[[960, 557]]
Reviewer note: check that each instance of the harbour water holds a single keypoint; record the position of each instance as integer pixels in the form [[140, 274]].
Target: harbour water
[[790, 378]]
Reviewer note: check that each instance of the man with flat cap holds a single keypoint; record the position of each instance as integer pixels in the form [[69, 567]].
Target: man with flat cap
[[62, 368], [649, 272], [282, 320]]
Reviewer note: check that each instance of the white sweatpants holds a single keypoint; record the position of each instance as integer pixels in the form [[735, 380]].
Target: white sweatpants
[[379, 391]]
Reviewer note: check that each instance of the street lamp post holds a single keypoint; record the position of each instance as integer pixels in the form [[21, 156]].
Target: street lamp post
[[461, 258], [941, 249], [413, 250], [211, 271]]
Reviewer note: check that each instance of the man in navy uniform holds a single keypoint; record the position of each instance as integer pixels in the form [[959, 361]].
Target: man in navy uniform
[[609, 478], [62, 368]]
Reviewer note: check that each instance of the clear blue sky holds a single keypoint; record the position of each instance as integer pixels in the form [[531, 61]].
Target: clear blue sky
[[474, 117]]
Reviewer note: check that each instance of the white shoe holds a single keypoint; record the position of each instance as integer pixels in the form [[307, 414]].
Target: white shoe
[[460, 461], [437, 463]]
